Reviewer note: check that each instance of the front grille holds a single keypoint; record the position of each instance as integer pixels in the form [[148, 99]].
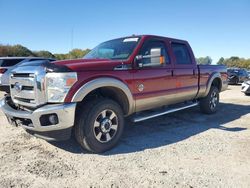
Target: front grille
[[24, 100], [27, 86], [23, 75]]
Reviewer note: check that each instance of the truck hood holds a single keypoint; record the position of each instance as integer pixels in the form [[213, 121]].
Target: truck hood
[[89, 64]]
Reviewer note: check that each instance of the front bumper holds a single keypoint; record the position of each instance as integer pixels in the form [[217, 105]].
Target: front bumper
[[245, 88], [32, 121]]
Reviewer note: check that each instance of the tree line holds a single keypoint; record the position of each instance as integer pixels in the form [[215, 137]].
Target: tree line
[[233, 61], [19, 50]]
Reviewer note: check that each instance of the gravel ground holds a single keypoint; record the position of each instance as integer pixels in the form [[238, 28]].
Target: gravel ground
[[183, 149]]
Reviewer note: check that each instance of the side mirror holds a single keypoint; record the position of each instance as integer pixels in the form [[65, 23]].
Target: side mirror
[[154, 59]]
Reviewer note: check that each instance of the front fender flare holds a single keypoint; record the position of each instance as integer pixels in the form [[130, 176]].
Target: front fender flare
[[85, 89]]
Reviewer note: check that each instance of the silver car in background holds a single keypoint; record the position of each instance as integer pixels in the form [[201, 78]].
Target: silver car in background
[[7, 64]]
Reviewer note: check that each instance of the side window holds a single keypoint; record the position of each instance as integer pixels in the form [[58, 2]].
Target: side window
[[243, 72], [181, 53], [154, 53]]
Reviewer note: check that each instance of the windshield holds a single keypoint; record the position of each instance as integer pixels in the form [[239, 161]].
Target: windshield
[[114, 49], [9, 62]]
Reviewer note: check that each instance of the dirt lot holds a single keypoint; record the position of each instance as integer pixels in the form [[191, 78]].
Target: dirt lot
[[184, 149]]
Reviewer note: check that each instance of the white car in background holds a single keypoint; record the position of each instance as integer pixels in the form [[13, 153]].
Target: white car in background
[[245, 87]]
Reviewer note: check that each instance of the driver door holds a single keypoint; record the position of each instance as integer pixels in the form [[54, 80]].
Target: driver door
[[153, 80]]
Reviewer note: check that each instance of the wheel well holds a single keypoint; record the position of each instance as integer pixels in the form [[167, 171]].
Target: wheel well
[[217, 83], [113, 93]]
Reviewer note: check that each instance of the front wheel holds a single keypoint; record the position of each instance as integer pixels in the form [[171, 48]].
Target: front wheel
[[99, 125], [209, 104]]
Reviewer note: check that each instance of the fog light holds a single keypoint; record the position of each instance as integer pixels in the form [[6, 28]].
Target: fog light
[[49, 119], [53, 119]]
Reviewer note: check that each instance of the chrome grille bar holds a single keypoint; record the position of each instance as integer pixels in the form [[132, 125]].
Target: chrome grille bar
[[23, 80], [27, 86]]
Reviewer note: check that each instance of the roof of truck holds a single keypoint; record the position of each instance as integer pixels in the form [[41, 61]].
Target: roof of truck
[[147, 35], [24, 58]]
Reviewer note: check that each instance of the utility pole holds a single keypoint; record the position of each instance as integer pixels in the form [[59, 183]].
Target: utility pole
[[72, 40]]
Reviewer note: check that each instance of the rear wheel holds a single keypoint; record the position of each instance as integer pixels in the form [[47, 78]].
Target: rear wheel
[[99, 125], [210, 103]]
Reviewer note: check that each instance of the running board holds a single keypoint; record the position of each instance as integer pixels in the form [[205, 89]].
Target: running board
[[156, 114]]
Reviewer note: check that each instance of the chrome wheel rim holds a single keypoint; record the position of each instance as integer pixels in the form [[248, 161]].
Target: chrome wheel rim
[[213, 101], [105, 126]]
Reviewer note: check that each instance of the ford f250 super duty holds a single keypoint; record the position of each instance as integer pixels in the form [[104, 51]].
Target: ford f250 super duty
[[139, 77]]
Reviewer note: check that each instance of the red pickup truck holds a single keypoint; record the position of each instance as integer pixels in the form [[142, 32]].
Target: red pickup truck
[[122, 77]]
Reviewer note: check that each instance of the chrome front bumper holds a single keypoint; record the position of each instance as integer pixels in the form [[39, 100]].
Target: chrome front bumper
[[65, 113]]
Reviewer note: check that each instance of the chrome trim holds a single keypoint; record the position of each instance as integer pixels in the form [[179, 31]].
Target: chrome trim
[[27, 81], [138, 119], [105, 82], [35, 79], [65, 113], [122, 67]]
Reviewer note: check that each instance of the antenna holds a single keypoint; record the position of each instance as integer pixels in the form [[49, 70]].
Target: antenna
[[72, 40]]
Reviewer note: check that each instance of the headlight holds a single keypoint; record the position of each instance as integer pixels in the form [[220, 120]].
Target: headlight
[[58, 85], [248, 82]]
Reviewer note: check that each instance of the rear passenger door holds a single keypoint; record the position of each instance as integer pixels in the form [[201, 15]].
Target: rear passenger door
[[185, 71]]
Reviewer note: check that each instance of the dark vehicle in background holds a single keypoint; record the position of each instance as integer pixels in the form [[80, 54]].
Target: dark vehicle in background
[[237, 75], [7, 64]]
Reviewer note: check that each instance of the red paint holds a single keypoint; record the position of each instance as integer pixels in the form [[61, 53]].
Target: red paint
[[168, 79]]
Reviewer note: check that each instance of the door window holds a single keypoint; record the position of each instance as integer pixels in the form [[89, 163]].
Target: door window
[[181, 53]]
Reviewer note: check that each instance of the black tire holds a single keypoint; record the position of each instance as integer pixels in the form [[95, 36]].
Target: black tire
[[209, 104], [90, 124]]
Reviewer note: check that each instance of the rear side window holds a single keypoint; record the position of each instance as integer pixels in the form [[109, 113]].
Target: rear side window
[[181, 53], [9, 62]]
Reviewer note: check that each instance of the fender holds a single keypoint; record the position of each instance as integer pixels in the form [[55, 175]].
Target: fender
[[210, 81], [85, 89]]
